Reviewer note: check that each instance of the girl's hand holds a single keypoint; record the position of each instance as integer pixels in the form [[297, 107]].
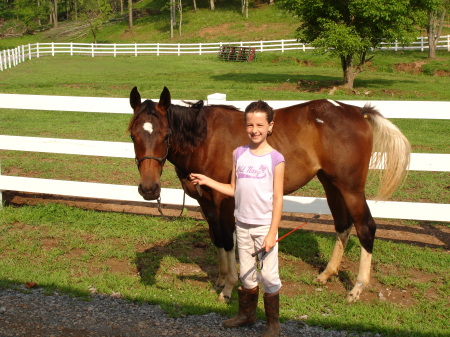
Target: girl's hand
[[269, 242], [197, 178]]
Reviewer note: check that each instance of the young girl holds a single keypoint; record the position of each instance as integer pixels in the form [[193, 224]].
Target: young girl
[[257, 186]]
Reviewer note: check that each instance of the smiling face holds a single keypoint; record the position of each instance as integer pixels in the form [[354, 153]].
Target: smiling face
[[258, 127]]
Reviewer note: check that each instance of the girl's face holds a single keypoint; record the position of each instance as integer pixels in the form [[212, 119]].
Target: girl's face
[[257, 126]]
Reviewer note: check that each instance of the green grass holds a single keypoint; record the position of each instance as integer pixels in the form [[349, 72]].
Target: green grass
[[146, 258], [273, 76]]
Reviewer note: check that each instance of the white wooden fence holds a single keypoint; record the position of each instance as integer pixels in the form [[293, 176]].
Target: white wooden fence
[[388, 209], [12, 57]]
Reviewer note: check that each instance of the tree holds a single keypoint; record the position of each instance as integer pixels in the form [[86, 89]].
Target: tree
[[350, 29], [55, 13], [244, 4], [435, 14], [130, 14], [95, 12], [30, 14]]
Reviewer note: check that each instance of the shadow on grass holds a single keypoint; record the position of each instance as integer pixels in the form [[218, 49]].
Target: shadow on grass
[[320, 81]]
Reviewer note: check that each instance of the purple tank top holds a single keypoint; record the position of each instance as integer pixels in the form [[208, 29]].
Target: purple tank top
[[254, 185]]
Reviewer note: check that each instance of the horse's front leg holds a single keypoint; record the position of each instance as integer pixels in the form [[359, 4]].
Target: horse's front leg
[[228, 277]]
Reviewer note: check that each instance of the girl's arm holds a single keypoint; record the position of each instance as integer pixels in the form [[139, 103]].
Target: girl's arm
[[278, 178], [227, 189]]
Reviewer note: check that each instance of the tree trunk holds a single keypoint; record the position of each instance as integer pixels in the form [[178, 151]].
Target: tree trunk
[[180, 10], [39, 5], [211, 2], [434, 30], [349, 73], [172, 17], [195, 6], [55, 13], [130, 14]]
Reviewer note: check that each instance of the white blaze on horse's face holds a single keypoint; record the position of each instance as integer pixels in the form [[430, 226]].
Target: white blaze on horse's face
[[148, 127]]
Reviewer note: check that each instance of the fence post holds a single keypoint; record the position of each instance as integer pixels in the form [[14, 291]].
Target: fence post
[[4, 60], [1, 64], [53, 48], [179, 50], [135, 50], [261, 44], [29, 51], [200, 49], [37, 50], [448, 42], [71, 48], [114, 50], [157, 49], [9, 58], [93, 53]]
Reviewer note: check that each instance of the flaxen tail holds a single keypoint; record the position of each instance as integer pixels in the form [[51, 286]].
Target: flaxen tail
[[391, 150]]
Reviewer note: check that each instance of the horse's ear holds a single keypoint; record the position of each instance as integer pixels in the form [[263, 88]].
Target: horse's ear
[[135, 99], [164, 99]]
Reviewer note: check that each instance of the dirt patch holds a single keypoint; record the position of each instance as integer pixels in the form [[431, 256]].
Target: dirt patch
[[410, 68], [423, 234]]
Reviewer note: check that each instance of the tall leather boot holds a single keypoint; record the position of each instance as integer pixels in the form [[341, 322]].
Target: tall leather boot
[[248, 300], [272, 309]]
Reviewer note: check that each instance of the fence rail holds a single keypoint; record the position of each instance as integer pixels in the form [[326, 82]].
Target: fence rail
[[12, 57], [387, 209]]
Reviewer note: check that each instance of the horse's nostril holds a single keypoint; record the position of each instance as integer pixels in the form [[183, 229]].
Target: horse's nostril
[[151, 192]]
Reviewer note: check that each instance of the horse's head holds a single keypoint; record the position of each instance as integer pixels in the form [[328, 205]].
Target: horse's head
[[150, 132]]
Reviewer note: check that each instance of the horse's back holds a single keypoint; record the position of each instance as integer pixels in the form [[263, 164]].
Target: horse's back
[[321, 135]]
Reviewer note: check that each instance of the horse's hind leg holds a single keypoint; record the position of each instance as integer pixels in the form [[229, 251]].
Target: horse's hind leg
[[350, 207], [342, 224], [365, 229]]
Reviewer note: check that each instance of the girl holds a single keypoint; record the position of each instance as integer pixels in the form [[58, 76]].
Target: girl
[[257, 186]]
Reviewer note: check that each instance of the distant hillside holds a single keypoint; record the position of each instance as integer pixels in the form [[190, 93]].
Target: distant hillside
[[265, 22]]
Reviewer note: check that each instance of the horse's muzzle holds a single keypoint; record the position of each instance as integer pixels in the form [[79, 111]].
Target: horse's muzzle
[[151, 193]]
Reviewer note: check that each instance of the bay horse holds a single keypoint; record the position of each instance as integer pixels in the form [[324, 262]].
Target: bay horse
[[324, 138]]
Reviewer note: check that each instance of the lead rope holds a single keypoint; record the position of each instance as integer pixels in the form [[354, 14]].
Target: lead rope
[[160, 208]]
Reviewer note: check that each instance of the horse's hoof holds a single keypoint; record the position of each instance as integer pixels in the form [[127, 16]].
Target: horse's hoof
[[224, 298], [321, 279], [219, 287], [353, 296]]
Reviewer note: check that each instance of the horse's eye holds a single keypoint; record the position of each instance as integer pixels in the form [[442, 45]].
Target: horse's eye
[[132, 138]]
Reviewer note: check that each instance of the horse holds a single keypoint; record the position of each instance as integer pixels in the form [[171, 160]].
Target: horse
[[324, 138]]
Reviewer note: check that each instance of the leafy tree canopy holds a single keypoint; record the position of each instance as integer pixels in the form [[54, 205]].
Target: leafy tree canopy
[[350, 28]]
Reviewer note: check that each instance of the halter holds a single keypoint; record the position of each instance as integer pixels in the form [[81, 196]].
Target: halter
[[161, 160]]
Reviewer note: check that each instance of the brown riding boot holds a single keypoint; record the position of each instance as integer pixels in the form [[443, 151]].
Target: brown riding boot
[[272, 308], [248, 300]]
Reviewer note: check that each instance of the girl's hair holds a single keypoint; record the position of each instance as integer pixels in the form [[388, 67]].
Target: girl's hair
[[260, 106]]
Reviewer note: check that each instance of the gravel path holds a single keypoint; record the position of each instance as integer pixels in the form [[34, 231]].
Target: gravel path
[[31, 313]]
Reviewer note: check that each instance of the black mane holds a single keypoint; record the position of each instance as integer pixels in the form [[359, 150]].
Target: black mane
[[188, 125]]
